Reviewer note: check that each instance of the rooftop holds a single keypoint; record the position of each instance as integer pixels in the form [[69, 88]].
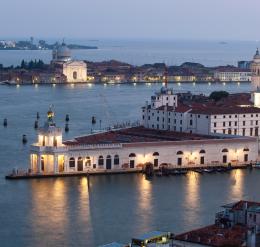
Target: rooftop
[[214, 235], [240, 205], [137, 134], [151, 235], [114, 244], [239, 103]]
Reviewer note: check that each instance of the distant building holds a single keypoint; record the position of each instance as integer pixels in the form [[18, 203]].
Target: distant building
[[244, 64], [232, 74], [74, 71]]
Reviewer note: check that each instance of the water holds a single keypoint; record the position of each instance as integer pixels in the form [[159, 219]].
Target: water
[[65, 211], [138, 52]]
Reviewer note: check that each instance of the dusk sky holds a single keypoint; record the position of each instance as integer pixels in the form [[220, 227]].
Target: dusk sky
[[137, 19]]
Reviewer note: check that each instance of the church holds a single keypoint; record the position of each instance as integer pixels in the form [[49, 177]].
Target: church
[[75, 71]]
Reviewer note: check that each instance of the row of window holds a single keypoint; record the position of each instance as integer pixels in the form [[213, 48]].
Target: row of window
[[72, 161], [252, 131], [230, 116], [224, 124]]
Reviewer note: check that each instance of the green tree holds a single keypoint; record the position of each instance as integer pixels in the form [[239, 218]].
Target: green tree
[[218, 95]]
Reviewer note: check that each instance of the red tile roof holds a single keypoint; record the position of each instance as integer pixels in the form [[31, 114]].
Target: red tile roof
[[240, 205], [225, 110], [136, 134], [214, 235]]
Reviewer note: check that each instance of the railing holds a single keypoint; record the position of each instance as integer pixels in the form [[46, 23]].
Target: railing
[[48, 149], [94, 146]]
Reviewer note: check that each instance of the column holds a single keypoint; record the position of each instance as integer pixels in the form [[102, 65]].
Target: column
[[39, 170], [56, 167]]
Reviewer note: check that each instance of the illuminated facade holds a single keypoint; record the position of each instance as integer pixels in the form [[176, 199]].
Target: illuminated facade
[[164, 112], [130, 149], [75, 71]]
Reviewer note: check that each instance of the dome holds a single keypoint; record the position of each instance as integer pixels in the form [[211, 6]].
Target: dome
[[257, 56], [62, 53]]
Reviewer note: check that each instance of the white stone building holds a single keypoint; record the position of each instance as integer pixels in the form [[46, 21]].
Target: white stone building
[[165, 113], [233, 75], [130, 149], [75, 71]]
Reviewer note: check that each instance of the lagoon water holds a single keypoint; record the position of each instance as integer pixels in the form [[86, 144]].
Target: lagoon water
[[138, 52], [68, 212]]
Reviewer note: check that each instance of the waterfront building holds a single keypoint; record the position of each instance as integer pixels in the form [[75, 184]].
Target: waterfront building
[[232, 74], [75, 71], [164, 112], [131, 149]]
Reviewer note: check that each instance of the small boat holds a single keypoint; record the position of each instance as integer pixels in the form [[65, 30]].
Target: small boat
[[257, 165], [198, 170], [208, 170]]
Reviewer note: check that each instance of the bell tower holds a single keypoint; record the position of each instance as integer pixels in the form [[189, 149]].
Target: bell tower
[[255, 69]]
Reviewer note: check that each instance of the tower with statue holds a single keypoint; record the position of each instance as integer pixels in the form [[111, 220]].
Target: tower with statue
[[48, 153]]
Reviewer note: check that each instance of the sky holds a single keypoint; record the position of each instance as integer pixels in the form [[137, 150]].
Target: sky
[[131, 19]]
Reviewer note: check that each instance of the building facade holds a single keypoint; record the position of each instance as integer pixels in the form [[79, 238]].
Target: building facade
[[74, 71], [131, 149], [233, 75]]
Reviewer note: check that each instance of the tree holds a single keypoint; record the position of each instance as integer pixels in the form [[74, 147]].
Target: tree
[[218, 95], [23, 64]]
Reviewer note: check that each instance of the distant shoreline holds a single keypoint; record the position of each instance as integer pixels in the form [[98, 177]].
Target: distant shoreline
[[120, 83]]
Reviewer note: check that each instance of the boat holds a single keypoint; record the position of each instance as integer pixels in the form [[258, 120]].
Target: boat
[[257, 165]]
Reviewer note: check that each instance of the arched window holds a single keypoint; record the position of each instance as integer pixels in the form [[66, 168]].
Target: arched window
[[155, 154], [80, 164], [80, 160], [100, 160], [132, 155], [72, 162], [42, 163], [88, 161], [179, 152], [116, 159], [202, 151], [225, 150], [55, 143], [246, 150], [75, 75]]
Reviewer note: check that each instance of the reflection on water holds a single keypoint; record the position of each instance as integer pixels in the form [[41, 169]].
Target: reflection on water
[[144, 202], [84, 201], [237, 184], [192, 197], [49, 210]]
